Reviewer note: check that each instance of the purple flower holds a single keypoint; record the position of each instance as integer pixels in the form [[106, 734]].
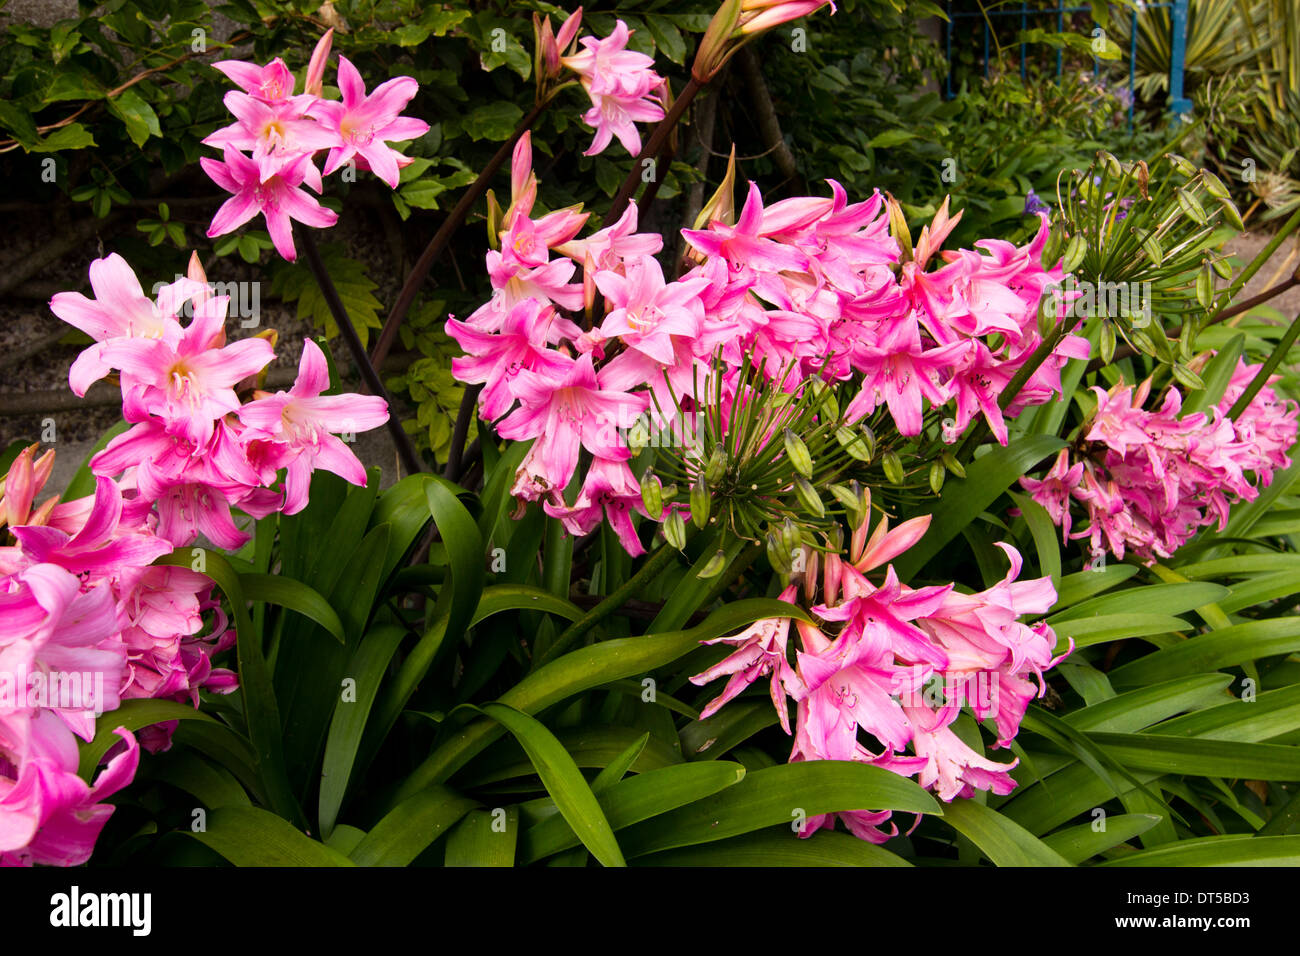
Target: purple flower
[[1034, 205]]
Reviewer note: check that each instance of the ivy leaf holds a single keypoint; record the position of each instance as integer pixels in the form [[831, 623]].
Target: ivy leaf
[[19, 123], [72, 136], [891, 137], [74, 85], [439, 21], [493, 121], [667, 38], [138, 116]]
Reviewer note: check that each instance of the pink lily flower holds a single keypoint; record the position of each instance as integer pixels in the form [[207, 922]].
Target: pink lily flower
[[276, 133], [900, 372], [50, 816], [647, 311], [272, 83], [279, 199], [303, 419], [609, 248], [620, 83], [365, 125], [495, 359], [609, 492], [760, 650], [189, 384], [743, 245], [568, 412]]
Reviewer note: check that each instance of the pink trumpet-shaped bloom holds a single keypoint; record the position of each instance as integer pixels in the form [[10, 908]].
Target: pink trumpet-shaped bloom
[[365, 125], [272, 83], [496, 359], [611, 492], [275, 133], [646, 311], [280, 199], [303, 420], [50, 816], [189, 384], [760, 650], [564, 413], [621, 84]]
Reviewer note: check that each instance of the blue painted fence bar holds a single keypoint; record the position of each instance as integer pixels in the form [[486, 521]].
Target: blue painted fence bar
[[1179, 104]]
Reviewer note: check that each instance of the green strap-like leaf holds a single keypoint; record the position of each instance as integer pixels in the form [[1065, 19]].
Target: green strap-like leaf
[[133, 715], [1139, 709], [964, 498], [296, 596], [247, 836], [1202, 756], [258, 694], [484, 838], [367, 669], [1000, 838], [452, 615], [407, 830], [635, 799], [771, 848], [522, 597], [585, 668], [214, 786], [563, 781], [778, 795], [1153, 599], [1207, 652], [595, 746], [1085, 841], [1219, 851]]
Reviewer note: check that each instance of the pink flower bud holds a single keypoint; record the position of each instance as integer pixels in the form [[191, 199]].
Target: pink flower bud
[[316, 66]]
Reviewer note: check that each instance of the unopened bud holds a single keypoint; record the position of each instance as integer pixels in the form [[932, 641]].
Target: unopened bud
[[701, 503], [797, 452], [652, 496], [809, 497]]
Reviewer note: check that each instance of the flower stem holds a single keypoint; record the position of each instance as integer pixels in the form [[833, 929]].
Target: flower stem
[[657, 562], [651, 148], [368, 373], [442, 237]]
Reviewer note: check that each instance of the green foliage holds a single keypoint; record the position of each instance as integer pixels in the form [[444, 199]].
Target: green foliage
[[294, 282]]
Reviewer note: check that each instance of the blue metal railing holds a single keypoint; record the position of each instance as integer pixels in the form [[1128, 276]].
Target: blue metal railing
[[1178, 103]]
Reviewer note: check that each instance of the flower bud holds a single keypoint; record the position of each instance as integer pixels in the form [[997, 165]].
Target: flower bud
[[652, 496], [778, 555], [797, 452], [893, 467], [937, 474], [675, 530], [714, 567], [717, 465], [701, 503], [808, 497]]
